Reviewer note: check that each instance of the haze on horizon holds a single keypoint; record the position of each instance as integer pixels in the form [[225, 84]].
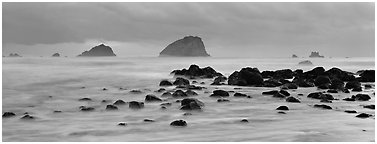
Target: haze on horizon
[[227, 29]]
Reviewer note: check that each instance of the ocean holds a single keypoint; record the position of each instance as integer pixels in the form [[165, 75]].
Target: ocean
[[41, 85]]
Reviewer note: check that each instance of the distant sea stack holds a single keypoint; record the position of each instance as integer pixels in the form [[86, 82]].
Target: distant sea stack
[[56, 55], [14, 55], [294, 56], [97, 51], [315, 55], [189, 46]]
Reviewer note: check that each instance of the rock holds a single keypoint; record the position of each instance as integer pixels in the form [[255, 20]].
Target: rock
[[239, 95], [148, 120], [152, 98], [195, 72], [218, 80], [368, 86], [8, 114], [119, 102], [163, 107], [367, 76], [363, 115], [315, 55], [324, 86], [100, 50], [191, 104], [161, 90], [350, 111], [270, 92], [135, 105], [325, 101], [282, 108], [271, 83], [165, 104], [350, 99], [179, 93], [180, 123], [353, 85], [222, 100], [369, 106], [84, 108], [362, 97], [136, 91], [279, 95], [346, 91], [85, 99], [165, 83], [219, 93], [281, 112], [322, 106], [166, 94], [302, 82], [244, 121], [193, 87], [249, 97], [191, 93], [336, 84], [14, 55], [27, 117], [56, 55], [322, 80], [332, 91], [122, 124], [305, 62], [57, 111], [320, 95], [290, 86], [181, 81], [111, 107], [294, 56], [246, 77], [285, 93], [359, 89], [292, 99], [189, 46]]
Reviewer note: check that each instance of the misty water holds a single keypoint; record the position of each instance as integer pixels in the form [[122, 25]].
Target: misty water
[[28, 82]]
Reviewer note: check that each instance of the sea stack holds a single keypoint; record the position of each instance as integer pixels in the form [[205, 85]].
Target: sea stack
[[97, 51], [315, 55], [189, 46]]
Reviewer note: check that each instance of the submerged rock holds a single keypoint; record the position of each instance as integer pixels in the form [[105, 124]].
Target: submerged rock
[[180, 123], [191, 104], [8, 114], [85, 99], [292, 99], [322, 106], [222, 100], [27, 117], [239, 95], [111, 107], [56, 55], [369, 106], [122, 124], [84, 108], [135, 105], [119, 102], [189, 46], [100, 50], [321, 96], [181, 81], [244, 121], [219, 93], [179, 93], [152, 98], [350, 111]]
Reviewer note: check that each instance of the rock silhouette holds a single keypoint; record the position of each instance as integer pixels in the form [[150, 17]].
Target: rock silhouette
[[189, 46], [56, 55], [97, 51], [315, 55]]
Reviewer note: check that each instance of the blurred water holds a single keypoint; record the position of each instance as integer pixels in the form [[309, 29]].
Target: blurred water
[[27, 83]]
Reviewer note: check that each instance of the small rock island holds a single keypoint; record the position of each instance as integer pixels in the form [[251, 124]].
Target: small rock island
[[315, 55], [97, 51], [189, 46]]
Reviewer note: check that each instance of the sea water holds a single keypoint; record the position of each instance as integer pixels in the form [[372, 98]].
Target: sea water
[[28, 83]]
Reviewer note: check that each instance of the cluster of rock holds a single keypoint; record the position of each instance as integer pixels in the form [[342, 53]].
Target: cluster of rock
[[97, 51], [195, 71]]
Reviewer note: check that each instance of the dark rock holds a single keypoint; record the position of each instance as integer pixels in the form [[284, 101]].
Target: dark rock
[[294, 56], [271, 83], [332, 91], [337, 84], [14, 55], [353, 85], [195, 72], [193, 87], [244, 121], [367, 76], [111, 107], [191, 93], [300, 94], [350, 111], [286, 93], [8, 114], [119, 102], [368, 86], [165, 104], [191, 104], [135, 105], [136, 91], [279, 95], [85, 99], [320, 95], [292, 99], [369, 106], [202, 83], [346, 91], [181, 81], [336, 73], [282, 108], [165, 83], [302, 82], [179, 93], [246, 77], [218, 80], [178, 123], [219, 93], [322, 106], [350, 99], [222, 100], [163, 107], [363, 115], [122, 124], [189, 46], [56, 55], [57, 111], [84, 108], [321, 80], [290, 86], [239, 95], [324, 86], [281, 112], [100, 50], [249, 97], [305, 62], [270, 92], [325, 101], [362, 97], [152, 98], [161, 90], [166, 94], [315, 55], [359, 89], [27, 117], [148, 120]]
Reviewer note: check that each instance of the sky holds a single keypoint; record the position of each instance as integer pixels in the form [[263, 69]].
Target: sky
[[227, 29]]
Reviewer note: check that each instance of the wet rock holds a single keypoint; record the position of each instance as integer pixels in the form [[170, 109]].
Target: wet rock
[[290, 86], [332, 91], [322, 106], [246, 77], [337, 84], [84, 108], [350, 111], [163, 107], [222, 100], [85, 99], [368, 86], [194, 87], [244, 121], [364, 115], [165, 104], [282, 108], [270, 92], [271, 83], [279, 95], [119, 102], [166, 94], [179, 93], [136, 91], [191, 104], [8, 114], [122, 124], [286, 93], [218, 80], [325, 101], [27, 117], [320, 80], [346, 91], [180, 123], [249, 97], [281, 112], [111, 107], [359, 89], [219, 93], [187, 114], [362, 97], [350, 99], [135, 105], [324, 86], [292, 99], [148, 120], [367, 76], [196, 72], [239, 95], [320, 95], [202, 83], [369, 106], [161, 90], [57, 111], [191, 93], [353, 85], [165, 83], [300, 94], [152, 98], [181, 81]]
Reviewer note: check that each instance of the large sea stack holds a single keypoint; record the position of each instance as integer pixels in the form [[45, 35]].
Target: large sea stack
[[97, 51], [189, 46], [315, 55]]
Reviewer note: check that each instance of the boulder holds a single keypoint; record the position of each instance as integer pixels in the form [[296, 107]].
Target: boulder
[[166, 94], [195, 72], [135, 105], [180, 123], [290, 86], [100, 50], [294, 56], [85, 99], [239, 95], [270, 92], [322, 106], [165, 83], [353, 85], [321, 96], [179, 93], [282, 108], [336, 84], [272, 83], [362, 97], [364, 115], [111, 107], [222, 100], [367, 76], [191, 93], [322, 80], [292, 99], [350, 111], [84, 108], [218, 80], [27, 117], [246, 77], [119, 102], [152, 98], [332, 91], [219, 93], [191, 104], [369, 106], [244, 121]]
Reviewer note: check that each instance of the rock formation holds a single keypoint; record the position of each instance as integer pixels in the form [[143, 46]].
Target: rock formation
[[100, 50], [315, 55], [189, 46], [56, 55], [294, 56]]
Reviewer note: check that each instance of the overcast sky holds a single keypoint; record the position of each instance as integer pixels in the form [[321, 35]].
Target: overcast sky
[[227, 29]]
